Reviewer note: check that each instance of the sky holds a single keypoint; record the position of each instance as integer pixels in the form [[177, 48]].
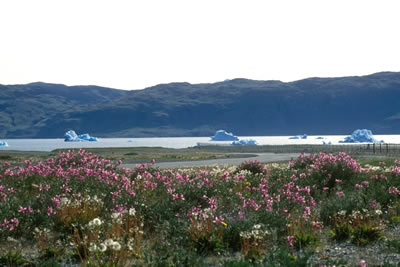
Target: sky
[[135, 44]]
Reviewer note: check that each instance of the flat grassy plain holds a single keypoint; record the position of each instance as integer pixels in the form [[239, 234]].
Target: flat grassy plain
[[128, 155], [78, 208]]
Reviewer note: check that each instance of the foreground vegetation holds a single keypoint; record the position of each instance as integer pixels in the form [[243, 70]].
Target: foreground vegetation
[[78, 208]]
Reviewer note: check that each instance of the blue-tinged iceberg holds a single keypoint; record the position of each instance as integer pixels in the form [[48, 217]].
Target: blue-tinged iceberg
[[222, 135], [245, 142], [3, 143], [304, 136], [361, 136], [71, 136]]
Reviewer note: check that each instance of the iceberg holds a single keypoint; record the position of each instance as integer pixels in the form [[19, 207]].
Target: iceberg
[[3, 143], [361, 136], [222, 135], [304, 136], [320, 137], [245, 142], [71, 136]]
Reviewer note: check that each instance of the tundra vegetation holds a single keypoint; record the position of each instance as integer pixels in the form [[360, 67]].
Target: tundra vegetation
[[79, 208]]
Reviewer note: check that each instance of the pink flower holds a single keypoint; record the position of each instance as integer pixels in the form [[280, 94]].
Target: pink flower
[[307, 212], [218, 220], [362, 263], [340, 194], [394, 191], [290, 240], [358, 186], [50, 211], [11, 190], [365, 183], [22, 210]]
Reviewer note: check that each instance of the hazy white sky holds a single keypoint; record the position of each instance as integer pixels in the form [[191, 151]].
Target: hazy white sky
[[136, 44]]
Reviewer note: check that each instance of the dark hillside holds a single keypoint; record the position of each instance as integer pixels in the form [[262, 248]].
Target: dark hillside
[[245, 107]]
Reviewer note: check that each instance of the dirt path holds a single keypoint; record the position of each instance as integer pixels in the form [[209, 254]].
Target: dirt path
[[262, 157]]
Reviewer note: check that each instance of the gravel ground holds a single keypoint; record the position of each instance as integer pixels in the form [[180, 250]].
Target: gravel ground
[[262, 157], [377, 254]]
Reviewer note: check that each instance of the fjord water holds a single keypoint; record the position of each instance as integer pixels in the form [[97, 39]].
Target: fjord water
[[171, 142]]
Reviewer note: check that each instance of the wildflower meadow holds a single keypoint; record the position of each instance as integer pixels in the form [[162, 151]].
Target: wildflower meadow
[[77, 209]]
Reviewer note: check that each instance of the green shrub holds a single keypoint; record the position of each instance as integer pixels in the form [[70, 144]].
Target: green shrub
[[365, 234], [305, 239], [341, 232]]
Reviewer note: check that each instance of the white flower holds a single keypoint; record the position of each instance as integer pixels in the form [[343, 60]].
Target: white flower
[[257, 226], [132, 211], [115, 215], [116, 246], [102, 247], [365, 210], [64, 201], [108, 242], [378, 212], [93, 248], [97, 221]]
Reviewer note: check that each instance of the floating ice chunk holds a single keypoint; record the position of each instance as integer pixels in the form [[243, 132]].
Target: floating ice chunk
[[325, 143], [87, 137], [247, 142], [71, 136], [222, 135], [320, 137], [304, 136], [3, 143], [361, 136]]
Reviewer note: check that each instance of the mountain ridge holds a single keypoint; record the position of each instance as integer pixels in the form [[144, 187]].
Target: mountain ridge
[[321, 106]]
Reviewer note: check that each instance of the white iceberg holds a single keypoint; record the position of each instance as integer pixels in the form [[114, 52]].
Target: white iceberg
[[245, 142], [71, 136], [3, 143], [304, 136], [361, 136], [222, 135]]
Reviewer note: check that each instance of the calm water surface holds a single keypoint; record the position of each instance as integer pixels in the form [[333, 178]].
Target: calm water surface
[[170, 142]]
